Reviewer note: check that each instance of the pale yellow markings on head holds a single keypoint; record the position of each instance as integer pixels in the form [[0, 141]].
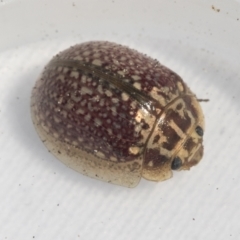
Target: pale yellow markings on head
[[125, 97], [180, 86], [139, 115], [87, 117], [61, 78], [74, 74], [177, 129], [84, 79], [86, 90], [97, 62], [98, 122], [134, 150], [108, 93], [80, 111], [56, 119], [137, 85], [136, 77]]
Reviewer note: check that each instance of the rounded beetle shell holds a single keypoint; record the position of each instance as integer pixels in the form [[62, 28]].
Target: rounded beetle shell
[[114, 114]]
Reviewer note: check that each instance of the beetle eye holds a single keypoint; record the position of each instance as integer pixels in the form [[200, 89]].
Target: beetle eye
[[176, 163], [199, 131]]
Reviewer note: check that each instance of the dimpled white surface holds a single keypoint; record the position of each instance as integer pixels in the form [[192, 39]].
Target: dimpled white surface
[[40, 198]]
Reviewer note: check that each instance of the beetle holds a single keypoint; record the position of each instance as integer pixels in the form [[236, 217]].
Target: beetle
[[112, 113]]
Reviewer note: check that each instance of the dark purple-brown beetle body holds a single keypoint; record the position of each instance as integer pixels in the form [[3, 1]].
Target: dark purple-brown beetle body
[[114, 114]]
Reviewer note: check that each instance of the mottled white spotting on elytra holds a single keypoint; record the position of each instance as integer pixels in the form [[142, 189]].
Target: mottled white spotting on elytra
[[80, 139], [74, 143], [108, 121], [63, 113], [136, 77], [137, 85], [99, 154], [69, 105], [114, 111], [122, 73], [117, 126], [130, 62], [49, 124], [177, 129], [96, 55], [98, 122], [109, 130], [79, 58], [56, 135], [47, 113], [46, 129], [106, 58], [83, 103], [150, 164], [75, 85], [74, 98], [100, 89], [66, 139], [108, 93], [112, 158], [158, 97], [80, 111], [56, 119], [180, 86], [69, 126], [74, 74], [57, 109], [83, 79], [125, 97], [59, 69], [134, 105], [97, 62], [65, 69], [123, 58], [61, 78], [87, 117], [86, 53], [86, 90], [115, 100], [134, 150], [138, 128], [102, 102]]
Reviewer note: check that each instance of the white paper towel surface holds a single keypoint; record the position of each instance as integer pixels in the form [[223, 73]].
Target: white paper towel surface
[[40, 198]]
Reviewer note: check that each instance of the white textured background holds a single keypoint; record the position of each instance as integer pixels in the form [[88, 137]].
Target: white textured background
[[40, 198]]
